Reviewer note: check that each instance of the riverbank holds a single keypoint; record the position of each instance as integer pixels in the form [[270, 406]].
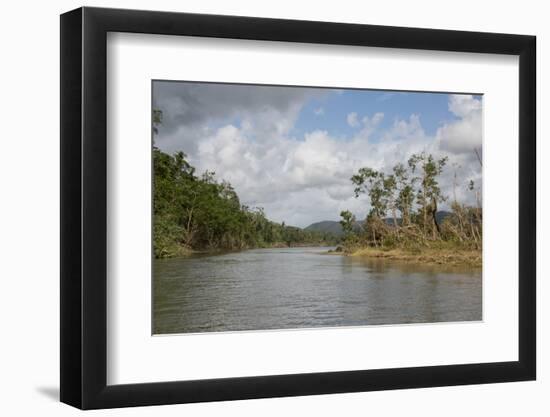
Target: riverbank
[[430, 256], [184, 251], [437, 256]]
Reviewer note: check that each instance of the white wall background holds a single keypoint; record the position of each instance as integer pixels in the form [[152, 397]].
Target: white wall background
[[29, 212]]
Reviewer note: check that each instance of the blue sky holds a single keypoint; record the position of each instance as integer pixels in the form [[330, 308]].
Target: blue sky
[[292, 150], [329, 112], [329, 109]]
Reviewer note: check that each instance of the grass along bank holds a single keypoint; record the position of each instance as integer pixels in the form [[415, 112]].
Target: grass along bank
[[439, 256]]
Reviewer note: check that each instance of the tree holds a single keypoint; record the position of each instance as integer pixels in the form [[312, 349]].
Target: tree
[[389, 196], [371, 182], [157, 120], [347, 222], [429, 194], [405, 190]]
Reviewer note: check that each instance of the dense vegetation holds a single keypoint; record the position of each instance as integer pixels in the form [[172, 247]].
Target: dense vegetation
[[404, 210], [198, 212]]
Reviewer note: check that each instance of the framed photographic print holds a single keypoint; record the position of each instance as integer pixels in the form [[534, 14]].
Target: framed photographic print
[[257, 207]]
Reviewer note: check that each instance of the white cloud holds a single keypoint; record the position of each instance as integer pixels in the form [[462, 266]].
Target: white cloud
[[370, 124], [301, 182], [190, 109], [374, 120], [464, 134], [304, 181], [410, 129], [352, 119], [319, 111], [463, 105]]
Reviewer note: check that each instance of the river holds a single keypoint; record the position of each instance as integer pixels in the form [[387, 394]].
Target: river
[[293, 288]]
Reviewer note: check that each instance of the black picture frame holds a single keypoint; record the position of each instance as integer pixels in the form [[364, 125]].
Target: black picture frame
[[84, 207]]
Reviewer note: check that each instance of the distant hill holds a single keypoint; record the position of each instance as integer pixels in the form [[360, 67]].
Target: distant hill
[[331, 226], [327, 226], [334, 227], [441, 215]]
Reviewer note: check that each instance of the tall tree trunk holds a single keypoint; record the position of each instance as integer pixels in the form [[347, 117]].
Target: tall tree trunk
[[424, 210], [434, 212]]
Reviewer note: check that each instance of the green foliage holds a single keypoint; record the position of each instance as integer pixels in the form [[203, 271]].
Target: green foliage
[[372, 182], [405, 192], [201, 213], [157, 120], [395, 194], [348, 219]]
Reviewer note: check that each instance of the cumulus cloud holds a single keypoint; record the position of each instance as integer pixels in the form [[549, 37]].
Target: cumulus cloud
[[352, 119], [302, 181], [464, 134], [247, 140], [463, 105], [191, 109], [370, 124]]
